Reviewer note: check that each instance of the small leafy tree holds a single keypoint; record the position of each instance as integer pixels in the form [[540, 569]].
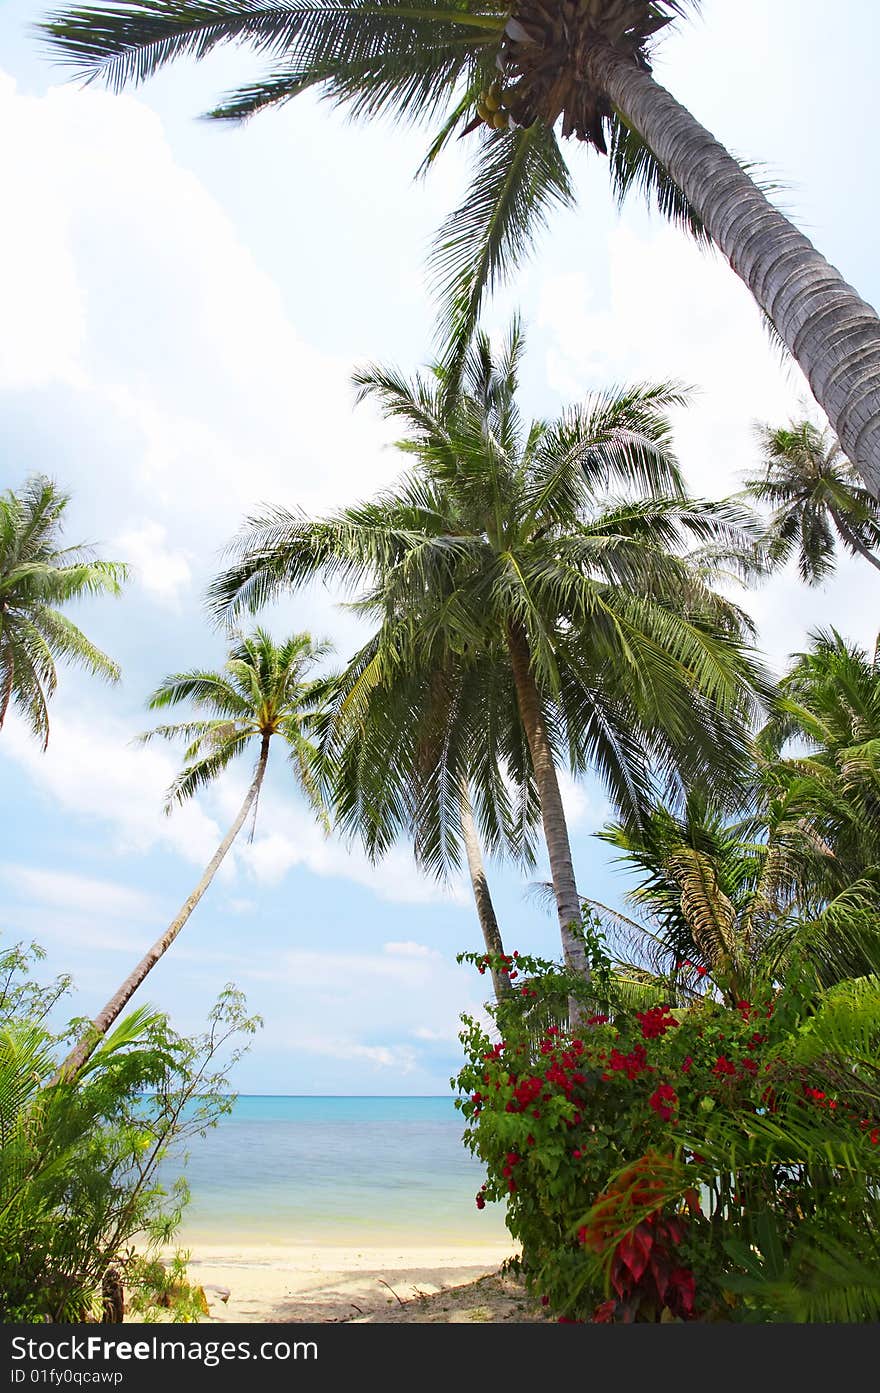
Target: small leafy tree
[[79, 1162]]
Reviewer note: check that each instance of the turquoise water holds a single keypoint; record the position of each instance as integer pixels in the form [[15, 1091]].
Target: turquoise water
[[336, 1170]]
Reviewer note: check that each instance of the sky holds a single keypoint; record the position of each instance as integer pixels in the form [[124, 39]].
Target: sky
[[181, 308]]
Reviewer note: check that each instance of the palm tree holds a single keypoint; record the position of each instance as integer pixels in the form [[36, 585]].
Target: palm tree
[[515, 71], [830, 780], [616, 654], [815, 493], [406, 735], [37, 575], [263, 691], [736, 902]]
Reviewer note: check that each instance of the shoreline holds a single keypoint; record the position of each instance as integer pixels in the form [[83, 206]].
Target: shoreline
[[329, 1282]]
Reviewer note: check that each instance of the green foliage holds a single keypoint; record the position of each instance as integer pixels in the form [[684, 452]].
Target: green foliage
[[427, 63], [37, 576], [263, 690], [817, 497], [701, 1161], [576, 536], [732, 903], [80, 1192]]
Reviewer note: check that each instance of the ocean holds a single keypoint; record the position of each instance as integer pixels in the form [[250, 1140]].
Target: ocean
[[370, 1171]]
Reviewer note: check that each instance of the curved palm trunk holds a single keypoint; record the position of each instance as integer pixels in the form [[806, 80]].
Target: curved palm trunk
[[568, 904], [482, 897], [851, 540], [103, 1021], [831, 331]]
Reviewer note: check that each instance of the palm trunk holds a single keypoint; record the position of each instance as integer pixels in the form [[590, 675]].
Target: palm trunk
[[103, 1021], [482, 897], [851, 540], [831, 331], [568, 904]]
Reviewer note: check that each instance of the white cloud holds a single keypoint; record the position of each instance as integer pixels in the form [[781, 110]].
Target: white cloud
[[72, 892], [673, 311], [122, 276], [323, 971], [578, 803], [288, 836], [386, 1008], [162, 571], [44, 315], [422, 1032], [398, 1057], [92, 770], [238, 904]]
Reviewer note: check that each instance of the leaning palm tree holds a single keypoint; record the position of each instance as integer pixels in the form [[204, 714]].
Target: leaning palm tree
[[503, 539], [37, 576], [516, 71], [815, 494], [263, 691]]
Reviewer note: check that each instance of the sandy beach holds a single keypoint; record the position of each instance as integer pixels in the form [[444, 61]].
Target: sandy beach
[[333, 1283]]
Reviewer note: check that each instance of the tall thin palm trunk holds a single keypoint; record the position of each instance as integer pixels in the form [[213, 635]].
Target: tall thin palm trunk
[[117, 1003], [850, 538], [831, 331], [482, 897], [568, 904]]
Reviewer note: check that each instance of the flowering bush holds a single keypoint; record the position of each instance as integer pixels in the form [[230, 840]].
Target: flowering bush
[[646, 1157]]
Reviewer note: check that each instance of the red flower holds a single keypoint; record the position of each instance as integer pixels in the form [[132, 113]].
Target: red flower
[[723, 1066], [664, 1101], [687, 1065], [594, 1020], [655, 1021], [630, 1064], [701, 971]]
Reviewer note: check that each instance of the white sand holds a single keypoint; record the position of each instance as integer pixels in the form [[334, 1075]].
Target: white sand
[[303, 1283]]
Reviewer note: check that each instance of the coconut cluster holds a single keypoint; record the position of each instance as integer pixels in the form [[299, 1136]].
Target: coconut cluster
[[491, 108]]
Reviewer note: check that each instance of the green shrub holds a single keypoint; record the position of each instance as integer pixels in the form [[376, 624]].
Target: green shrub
[[82, 1208], [682, 1162]]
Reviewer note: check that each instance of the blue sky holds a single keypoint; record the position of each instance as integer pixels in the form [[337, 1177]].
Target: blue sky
[[181, 307]]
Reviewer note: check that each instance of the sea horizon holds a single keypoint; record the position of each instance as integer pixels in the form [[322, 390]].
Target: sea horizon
[[365, 1170]]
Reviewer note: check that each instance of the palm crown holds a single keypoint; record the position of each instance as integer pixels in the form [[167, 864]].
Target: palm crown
[[499, 564], [512, 73], [829, 781], [37, 576], [517, 71], [262, 691], [814, 492]]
